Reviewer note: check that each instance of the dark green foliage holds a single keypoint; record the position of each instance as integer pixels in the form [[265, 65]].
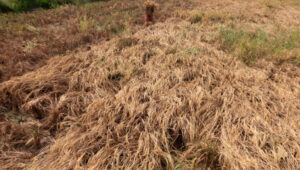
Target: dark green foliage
[[25, 5], [21, 5]]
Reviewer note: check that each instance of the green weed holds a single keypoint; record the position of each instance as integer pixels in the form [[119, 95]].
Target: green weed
[[30, 45], [197, 18], [84, 24]]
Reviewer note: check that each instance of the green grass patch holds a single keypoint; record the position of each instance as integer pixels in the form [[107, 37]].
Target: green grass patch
[[193, 51], [250, 46], [209, 17]]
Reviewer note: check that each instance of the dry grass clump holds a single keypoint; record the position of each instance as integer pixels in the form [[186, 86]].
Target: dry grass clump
[[181, 110], [161, 99], [126, 42], [28, 40], [20, 142], [56, 95]]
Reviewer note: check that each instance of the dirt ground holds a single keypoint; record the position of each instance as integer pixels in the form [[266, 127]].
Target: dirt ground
[[91, 87]]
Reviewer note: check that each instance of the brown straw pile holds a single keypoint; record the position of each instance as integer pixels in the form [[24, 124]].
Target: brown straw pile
[[165, 101]]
